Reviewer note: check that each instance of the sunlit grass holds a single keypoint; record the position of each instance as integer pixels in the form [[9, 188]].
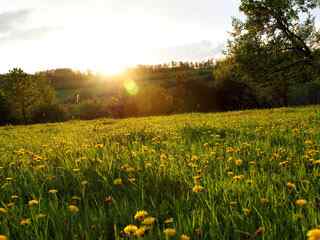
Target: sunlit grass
[[239, 175]]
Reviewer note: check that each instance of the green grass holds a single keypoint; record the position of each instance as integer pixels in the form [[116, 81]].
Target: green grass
[[157, 159]]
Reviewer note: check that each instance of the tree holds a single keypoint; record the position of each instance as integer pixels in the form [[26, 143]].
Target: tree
[[25, 92], [283, 26], [4, 109], [275, 46]]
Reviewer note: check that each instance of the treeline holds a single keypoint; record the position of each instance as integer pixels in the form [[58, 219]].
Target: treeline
[[64, 94]]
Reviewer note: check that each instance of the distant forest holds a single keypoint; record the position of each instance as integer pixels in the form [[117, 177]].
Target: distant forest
[[272, 60]]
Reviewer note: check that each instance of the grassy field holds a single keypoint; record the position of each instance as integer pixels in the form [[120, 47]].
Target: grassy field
[[238, 175]]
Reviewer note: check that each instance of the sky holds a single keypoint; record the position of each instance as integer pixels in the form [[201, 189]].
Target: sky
[[109, 35]]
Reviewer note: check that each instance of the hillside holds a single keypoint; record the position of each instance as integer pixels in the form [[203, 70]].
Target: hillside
[[235, 175]]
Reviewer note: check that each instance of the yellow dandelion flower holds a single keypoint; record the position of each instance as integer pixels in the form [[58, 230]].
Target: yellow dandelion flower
[[25, 221], [168, 221], [33, 202], [99, 145], [197, 178], [132, 180], [197, 188], [149, 221], [314, 234], [238, 162], [316, 162], [3, 237], [238, 178], [247, 211], [14, 197], [170, 232], [118, 182], [140, 215], [73, 209], [284, 164], [53, 191], [10, 205], [291, 185], [83, 183], [184, 237], [301, 202], [148, 165], [130, 229], [3, 211], [140, 232]]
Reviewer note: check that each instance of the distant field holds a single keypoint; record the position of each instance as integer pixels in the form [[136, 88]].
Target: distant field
[[237, 175]]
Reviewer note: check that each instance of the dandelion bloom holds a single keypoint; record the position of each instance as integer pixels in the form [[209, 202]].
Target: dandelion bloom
[[73, 209], [184, 237], [25, 221], [301, 202], [247, 211], [291, 185], [3, 237], [14, 197], [53, 191], [197, 179], [170, 232], [140, 232], [130, 229], [314, 234], [118, 182], [238, 162], [3, 210], [33, 202], [169, 220], [197, 188], [140, 215], [238, 178], [149, 221]]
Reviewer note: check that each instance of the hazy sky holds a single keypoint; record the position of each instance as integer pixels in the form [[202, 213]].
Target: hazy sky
[[106, 35]]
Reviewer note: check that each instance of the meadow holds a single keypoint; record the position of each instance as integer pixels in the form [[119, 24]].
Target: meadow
[[238, 175]]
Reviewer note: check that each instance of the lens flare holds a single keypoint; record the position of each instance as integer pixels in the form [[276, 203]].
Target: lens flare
[[131, 87]]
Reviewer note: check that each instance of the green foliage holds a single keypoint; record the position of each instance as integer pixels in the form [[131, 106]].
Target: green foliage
[[47, 113], [25, 92], [273, 50]]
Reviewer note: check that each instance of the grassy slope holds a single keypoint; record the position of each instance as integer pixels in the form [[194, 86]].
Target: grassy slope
[[157, 158]]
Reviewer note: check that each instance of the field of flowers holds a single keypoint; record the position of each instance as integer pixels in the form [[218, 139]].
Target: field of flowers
[[238, 175]]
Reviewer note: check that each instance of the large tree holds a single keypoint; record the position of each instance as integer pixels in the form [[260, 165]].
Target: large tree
[[286, 23], [25, 92], [275, 45]]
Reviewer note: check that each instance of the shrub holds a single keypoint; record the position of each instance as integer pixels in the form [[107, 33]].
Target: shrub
[[92, 110], [49, 113]]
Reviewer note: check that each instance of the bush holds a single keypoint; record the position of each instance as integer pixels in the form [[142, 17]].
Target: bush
[[49, 113], [92, 110]]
